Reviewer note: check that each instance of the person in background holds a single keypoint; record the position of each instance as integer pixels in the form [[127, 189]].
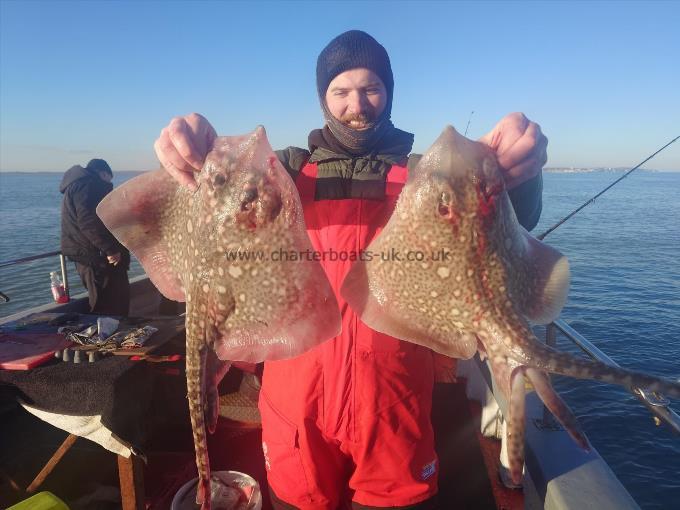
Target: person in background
[[349, 421], [101, 261]]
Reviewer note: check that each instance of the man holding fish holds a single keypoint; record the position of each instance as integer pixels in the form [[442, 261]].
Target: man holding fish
[[350, 418]]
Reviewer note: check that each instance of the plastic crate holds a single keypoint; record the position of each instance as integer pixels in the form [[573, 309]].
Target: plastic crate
[[41, 501]]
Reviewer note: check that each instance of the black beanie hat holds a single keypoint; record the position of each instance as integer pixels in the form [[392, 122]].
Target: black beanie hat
[[97, 165], [351, 50]]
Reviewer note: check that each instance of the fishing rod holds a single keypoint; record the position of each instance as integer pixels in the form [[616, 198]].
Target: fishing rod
[[468, 124], [591, 200]]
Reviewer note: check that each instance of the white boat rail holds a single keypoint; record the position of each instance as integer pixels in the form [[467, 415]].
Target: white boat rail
[[657, 404], [62, 260]]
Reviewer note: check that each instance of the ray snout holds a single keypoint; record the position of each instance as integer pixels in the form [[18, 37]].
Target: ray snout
[[259, 134], [454, 155]]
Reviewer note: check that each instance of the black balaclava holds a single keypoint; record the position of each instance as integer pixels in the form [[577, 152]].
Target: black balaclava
[[351, 50]]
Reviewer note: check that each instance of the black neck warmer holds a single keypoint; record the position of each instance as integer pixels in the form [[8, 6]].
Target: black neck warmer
[[395, 144]]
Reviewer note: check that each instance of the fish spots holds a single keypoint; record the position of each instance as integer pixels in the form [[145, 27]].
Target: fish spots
[[443, 272], [190, 227]]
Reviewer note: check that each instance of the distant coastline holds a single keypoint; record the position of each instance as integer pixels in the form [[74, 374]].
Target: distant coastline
[[582, 170]]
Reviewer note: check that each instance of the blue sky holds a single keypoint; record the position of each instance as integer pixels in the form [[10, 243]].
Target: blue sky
[[100, 79]]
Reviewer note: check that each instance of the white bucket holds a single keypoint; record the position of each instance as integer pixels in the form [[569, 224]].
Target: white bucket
[[230, 490]]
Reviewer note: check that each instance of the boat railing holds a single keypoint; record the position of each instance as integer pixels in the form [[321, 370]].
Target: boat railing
[[62, 260], [657, 404]]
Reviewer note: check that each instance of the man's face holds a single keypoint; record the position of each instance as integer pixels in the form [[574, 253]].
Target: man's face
[[356, 97], [105, 176]]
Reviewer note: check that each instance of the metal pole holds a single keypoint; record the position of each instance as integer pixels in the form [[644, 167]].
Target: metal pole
[[551, 340], [657, 404], [5, 263], [64, 275]]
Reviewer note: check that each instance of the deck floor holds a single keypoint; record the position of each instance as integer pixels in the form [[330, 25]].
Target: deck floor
[[87, 476]]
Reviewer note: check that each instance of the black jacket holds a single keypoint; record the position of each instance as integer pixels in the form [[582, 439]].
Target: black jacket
[[84, 238]]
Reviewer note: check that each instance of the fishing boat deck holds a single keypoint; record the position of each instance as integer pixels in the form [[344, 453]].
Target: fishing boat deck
[[87, 476]]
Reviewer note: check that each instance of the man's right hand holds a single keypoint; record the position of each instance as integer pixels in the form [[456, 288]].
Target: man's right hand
[[114, 259], [183, 145]]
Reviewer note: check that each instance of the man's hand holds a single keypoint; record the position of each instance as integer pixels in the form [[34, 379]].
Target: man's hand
[[183, 145], [113, 259], [519, 146]]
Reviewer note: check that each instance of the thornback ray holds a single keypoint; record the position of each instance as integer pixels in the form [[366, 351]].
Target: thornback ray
[[478, 281], [213, 249]]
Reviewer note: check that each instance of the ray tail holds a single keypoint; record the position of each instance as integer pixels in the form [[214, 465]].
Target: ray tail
[[557, 406], [551, 360], [196, 372], [515, 430]]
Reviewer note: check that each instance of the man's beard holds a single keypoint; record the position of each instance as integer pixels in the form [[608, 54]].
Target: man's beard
[[358, 121], [361, 139]]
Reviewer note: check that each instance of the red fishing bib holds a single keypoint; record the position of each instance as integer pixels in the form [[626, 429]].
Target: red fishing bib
[[349, 419]]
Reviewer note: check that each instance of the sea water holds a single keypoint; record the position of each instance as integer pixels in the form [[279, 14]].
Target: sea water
[[624, 251]]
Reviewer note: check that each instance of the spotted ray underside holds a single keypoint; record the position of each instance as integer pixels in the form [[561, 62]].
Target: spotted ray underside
[[213, 249], [469, 278]]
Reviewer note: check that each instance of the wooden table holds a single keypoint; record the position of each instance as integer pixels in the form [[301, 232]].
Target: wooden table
[[109, 372]]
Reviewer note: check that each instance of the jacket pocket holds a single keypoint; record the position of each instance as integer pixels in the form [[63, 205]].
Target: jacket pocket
[[282, 455]]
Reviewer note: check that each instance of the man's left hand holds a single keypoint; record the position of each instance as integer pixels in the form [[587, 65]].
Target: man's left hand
[[519, 146]]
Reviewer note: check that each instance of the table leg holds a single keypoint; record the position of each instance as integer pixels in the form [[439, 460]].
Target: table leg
[[65, 446], [131, 474]]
